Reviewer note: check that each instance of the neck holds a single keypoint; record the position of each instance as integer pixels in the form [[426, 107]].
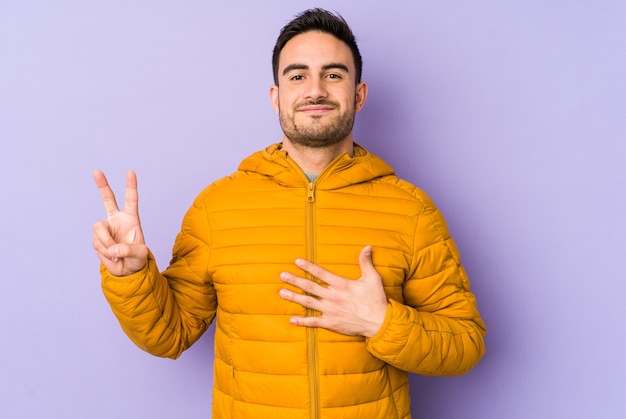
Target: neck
[[315, 160]]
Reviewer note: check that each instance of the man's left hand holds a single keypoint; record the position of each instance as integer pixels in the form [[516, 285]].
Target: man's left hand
[[350, 307]]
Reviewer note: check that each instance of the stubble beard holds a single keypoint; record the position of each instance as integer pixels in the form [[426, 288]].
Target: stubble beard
[[316, 133]]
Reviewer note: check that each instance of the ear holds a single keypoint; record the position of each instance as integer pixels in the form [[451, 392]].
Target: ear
[[361, 96], [274, 98]]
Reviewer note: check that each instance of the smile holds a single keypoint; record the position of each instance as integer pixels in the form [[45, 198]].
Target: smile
[[315, 109]]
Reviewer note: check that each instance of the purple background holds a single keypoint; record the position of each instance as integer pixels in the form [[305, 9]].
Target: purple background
[[511, 115]]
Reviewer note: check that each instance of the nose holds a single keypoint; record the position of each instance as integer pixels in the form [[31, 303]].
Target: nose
[[315, 88]]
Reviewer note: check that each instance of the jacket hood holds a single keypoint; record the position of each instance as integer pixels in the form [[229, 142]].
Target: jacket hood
[[344, 170]]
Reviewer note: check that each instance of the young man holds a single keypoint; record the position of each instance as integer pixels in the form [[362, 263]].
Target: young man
[[377, 289]]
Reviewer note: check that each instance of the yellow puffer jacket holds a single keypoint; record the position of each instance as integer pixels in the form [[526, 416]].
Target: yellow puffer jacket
[[245, 229]]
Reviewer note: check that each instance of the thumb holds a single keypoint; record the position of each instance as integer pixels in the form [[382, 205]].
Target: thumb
[[126, 259], [128, 251], [365, 260]]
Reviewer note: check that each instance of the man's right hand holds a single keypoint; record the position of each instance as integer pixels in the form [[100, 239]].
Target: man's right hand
[[118, 239]]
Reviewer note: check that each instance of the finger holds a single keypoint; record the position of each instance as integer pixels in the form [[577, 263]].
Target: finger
[[101, 249], [103, 242], [102, 233], [312, 321], [131, 199], [317, 271], [322, 322], [108, 197], [305, 285], [304, 300]]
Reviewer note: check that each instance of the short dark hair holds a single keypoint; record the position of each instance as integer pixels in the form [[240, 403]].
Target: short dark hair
[[323, 21]]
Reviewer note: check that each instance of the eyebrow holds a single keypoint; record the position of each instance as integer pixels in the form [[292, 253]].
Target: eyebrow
[[330, 66]]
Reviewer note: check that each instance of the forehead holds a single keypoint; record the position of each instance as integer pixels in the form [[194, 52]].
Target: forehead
[[315, 48]]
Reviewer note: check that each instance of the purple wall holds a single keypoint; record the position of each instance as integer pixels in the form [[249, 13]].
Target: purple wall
[[511, 115]]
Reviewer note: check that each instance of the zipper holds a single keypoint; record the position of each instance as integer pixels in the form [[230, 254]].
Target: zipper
[[311, 332]]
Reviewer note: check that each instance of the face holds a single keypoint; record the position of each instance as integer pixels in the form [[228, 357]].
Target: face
[[317, 96]]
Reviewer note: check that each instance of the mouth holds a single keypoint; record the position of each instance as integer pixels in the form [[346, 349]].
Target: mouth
[[316, 108]]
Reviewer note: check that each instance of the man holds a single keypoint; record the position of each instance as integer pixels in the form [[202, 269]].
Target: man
[[377, 288]]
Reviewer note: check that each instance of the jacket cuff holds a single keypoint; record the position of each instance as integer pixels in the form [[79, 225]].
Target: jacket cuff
[[381, 332], [391, 338]]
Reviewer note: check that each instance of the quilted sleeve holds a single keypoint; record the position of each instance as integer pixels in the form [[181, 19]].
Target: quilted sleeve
[[438, 330], [165, 313]]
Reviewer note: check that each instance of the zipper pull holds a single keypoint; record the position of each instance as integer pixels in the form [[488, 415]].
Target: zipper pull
[[310, 197]]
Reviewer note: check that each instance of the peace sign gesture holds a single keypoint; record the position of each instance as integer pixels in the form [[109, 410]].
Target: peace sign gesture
[[118, 240]]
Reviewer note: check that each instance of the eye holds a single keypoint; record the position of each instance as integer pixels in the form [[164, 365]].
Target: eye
[[297, 77], [334, 76]]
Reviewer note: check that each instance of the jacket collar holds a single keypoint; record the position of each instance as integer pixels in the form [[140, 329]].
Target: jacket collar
[[344, 170]]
